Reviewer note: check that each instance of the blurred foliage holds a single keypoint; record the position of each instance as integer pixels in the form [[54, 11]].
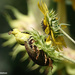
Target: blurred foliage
[[26, 20]]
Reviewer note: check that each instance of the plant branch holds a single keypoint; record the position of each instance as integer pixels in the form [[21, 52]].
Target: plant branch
[[71, 60], [67, 35]]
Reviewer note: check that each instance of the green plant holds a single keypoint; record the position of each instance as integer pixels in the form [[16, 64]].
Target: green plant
[[50, 44]]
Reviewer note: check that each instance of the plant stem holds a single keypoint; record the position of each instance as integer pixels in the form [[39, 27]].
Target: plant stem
[[67, 36], [50, 71], [69, 59]]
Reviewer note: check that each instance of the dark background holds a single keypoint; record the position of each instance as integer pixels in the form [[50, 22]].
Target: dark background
[[6, 63]]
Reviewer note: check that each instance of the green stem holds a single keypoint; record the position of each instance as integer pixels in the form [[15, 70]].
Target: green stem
[[67, 36], [69, 59], [50, 71]]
